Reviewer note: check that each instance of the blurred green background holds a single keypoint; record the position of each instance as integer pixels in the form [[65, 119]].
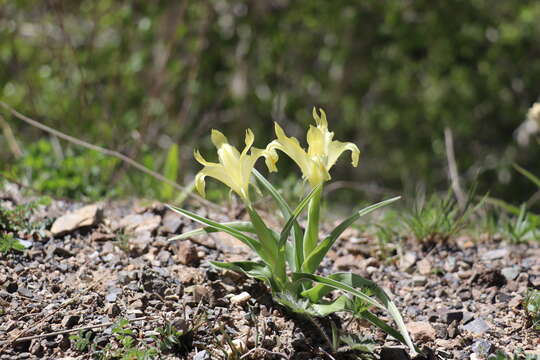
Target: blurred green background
[[140, 76]]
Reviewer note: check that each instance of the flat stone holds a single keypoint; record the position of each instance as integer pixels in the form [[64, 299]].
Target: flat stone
[[202, 355], [171, 223], [422, 331], [137, 223], [240, 299], [407, 261], [481, 348], [419, 280], [495, 254], [186, 253], [424, 267], [69, 321], [84, 217], [478, 326], [510, 273]]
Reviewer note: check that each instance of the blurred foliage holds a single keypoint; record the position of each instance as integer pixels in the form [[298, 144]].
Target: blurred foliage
[[140, 76]]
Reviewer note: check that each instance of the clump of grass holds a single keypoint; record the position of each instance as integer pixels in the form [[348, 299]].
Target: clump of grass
[[523, 228], [532, 308], [439, 218], [18, 219]]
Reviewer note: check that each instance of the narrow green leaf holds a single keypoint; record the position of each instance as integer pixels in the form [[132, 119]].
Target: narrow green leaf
[[170, 171], [314, 259], [244, 226], [269, 244], [292, 220], [533, 178], [342, 303], [311, 235], [294, 260], [249, 241], [348, 283]]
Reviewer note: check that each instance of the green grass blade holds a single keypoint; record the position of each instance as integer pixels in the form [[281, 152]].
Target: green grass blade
[[292, 220], [533, 178], [311, 235], [249, 241], [314, 259], [286, 211], [243, 226]]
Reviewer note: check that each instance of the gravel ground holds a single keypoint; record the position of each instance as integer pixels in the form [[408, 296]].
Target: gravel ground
[[110, 261]]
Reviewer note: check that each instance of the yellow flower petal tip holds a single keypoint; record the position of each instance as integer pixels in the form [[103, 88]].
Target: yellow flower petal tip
[[322, 152]]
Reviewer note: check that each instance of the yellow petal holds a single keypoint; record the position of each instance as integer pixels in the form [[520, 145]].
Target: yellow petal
[[249, 139], [337, 148], [219, 173], [291, 147], [201, 160], [320, 120], [316, 142], [218, 139]]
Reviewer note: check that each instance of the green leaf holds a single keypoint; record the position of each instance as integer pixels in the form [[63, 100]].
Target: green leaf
[[311, 235], [249, 241], [244, 226], [534, 179], [296, 259], [170, 172], [342, 303], [314, 259], [348, 282], [250, 268], [292, 220]]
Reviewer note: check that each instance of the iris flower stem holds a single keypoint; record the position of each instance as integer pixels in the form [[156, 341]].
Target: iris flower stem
[[311, 235]]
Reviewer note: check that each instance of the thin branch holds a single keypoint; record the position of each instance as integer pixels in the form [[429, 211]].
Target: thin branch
[[10, 138], [67, 331], [105, 151], [452, 167]]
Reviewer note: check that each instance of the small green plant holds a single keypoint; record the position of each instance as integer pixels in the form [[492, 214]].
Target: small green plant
[[18, 219], [524, 228], [532, 308], [439, 217], [517, 355], [290, 257], [8, 243], [128, 348]]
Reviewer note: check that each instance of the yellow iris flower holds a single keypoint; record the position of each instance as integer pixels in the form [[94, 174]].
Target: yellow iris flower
[[322, 152], [234, 168]]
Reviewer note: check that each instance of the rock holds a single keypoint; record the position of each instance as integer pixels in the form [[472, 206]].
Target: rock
[[113, 294], [186, 253], [240, 299], [25, 292], [424, 267], [491, 278], [495, 254], [478, 326], [510, 273], [515, 302], [202, 355], [346, 262], [451, 316], [112, 310], [139, 244], [419, 280], [481, 348], [407, 261], [36, 349], [84, 217], [137, 223], [450, 264], [69, 321], [171, 223], [422, 331], [452, 330], [394, 353]]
